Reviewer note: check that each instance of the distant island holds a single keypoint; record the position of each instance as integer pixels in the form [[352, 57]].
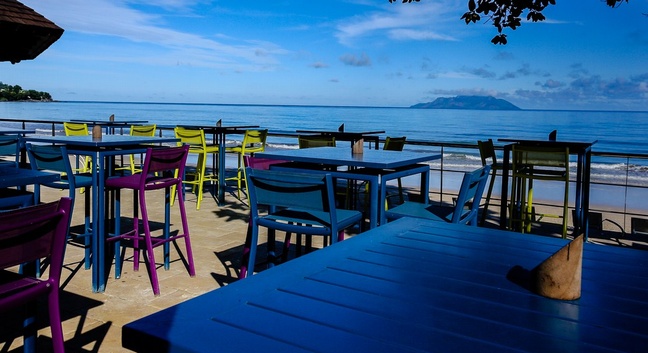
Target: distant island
[[9, 93], [468, 102]]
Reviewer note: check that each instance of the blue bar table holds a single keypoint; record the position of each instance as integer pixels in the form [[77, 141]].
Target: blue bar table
[[102, 151], [373, 165], [412, 286]]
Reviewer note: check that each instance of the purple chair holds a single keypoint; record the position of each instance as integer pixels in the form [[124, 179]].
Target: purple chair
[[26, 235], [163, 168]]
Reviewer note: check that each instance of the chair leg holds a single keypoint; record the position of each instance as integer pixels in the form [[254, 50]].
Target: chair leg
[[202, 161], [185, 230], [488, 196], [55, 320], [148, 241]]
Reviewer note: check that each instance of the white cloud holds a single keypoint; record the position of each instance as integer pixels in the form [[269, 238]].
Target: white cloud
[[399, 21], [115, 18], [411, 34]]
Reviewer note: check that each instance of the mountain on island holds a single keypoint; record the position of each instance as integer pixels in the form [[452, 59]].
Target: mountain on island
[[468, 102]]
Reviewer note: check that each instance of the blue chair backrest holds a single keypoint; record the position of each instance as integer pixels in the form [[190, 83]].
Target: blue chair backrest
[[287, 189], [10, 147], [51, 158], [470, 194]]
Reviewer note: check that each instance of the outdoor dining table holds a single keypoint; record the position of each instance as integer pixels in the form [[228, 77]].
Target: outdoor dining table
[[14, 131], [102, 151], [373, 165], [10, 177], [351, 136], [583, 150], [413, 286], [219, 134]]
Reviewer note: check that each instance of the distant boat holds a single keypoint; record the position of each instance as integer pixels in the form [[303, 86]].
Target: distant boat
[[468, 102]]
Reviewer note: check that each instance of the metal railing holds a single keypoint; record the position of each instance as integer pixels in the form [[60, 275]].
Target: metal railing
[[632, 216]]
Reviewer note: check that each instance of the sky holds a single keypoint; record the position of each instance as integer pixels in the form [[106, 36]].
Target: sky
[[585, 56]]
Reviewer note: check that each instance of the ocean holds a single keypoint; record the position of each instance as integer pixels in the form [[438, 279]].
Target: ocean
[[615, 131]]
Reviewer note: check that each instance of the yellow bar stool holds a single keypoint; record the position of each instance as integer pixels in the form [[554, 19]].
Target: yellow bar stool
[[84, 163], [532, 163], [253, 141], [197, 177]]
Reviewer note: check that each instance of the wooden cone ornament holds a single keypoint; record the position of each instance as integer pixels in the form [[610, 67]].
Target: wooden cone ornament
[[559, 276]]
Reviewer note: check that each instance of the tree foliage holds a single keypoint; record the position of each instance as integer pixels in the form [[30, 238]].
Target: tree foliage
[[17, 93], [507, 13]]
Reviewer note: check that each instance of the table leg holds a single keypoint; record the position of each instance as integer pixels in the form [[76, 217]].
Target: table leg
[[221, 168], [586, 191], [505, 181]]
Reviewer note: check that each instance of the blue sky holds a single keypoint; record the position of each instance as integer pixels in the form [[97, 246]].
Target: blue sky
[[356, 52]]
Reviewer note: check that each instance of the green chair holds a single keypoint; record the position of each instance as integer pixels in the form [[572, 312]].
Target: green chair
[[84, 163], [396, 144], [488, 157], [253, 141], [310, 141], [532, 163], [139, 130], [197, 142]]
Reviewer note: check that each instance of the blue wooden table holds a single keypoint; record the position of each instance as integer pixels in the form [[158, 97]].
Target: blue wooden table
[[10, 176], [375, 166], [102, 151], [413, 286]]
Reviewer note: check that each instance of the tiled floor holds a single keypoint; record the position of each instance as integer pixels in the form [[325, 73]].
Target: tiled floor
[[93, 321]]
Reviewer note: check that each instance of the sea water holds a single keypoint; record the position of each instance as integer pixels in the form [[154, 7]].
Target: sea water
[[614, 131]]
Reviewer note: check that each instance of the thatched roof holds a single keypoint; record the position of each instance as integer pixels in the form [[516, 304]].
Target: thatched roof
[[24, 33]]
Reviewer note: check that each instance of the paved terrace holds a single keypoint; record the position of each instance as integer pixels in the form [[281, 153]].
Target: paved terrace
[[93, 321]]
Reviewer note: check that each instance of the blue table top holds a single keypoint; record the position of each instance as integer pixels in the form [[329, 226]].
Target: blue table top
[[413, 286], [342, 156], [105, 141], [12, 131], [10, 176]]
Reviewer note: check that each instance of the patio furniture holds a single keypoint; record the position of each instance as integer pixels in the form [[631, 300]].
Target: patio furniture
[[84, 163], [413, 285], [361, 167], [195, 138], [536, 163], [102, 151], [56, 159], [27, 235], [306, 141], [488, 157], [583, 151], [162, 169], [297, 203], [465, 210], [254, 141], [12, 197], [138, 130]]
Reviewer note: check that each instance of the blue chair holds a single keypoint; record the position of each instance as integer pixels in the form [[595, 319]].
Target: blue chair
[[55, 159], [464, 211], [9, 197], [298, 203]]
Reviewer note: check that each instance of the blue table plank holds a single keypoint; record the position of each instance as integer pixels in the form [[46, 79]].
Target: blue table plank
[[413, 286]]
